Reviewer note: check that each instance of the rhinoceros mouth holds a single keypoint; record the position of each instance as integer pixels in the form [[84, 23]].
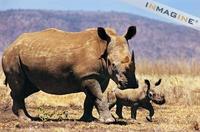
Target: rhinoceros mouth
[[159, 102]]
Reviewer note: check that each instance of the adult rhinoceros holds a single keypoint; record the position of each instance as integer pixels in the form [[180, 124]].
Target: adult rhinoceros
[[59, 62]]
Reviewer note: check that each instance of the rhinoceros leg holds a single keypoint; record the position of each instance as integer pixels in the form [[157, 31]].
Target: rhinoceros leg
[[20, 89], [88, 107], [119, 108], [134, 108], [100, 103], [149, 107]]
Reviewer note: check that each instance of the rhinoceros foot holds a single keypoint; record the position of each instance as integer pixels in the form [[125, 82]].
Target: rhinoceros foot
[[88, 118]]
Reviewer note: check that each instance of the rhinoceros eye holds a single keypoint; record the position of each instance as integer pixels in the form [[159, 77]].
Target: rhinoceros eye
[[150, 95], [114, 68]]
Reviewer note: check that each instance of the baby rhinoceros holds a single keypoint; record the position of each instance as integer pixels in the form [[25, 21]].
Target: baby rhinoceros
[[135, 98]]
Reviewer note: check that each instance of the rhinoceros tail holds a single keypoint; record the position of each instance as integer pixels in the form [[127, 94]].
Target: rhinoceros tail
[[6, 81]]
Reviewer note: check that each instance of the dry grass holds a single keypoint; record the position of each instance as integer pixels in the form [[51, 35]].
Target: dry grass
[[168, 67], [180, 83]]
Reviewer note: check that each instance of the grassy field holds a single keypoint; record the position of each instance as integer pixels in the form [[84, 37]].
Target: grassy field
[[60, 113], [168, 66]]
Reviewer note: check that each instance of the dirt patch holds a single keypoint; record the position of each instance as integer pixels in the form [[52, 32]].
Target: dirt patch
[[60, 118]]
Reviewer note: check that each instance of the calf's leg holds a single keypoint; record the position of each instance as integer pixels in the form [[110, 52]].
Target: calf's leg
[[149, 107], [134, 108], [119, 108]]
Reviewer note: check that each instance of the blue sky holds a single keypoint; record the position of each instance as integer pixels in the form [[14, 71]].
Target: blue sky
[[190, 6]]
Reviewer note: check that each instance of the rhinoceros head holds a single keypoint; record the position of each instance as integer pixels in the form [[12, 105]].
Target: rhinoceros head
[[154, 94], [120, 61]]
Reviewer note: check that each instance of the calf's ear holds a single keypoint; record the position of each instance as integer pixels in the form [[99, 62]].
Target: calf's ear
[[130, 33], [103, 35], [147, 83], [158, 82]]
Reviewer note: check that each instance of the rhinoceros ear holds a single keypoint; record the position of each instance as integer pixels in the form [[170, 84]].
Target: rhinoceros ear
[[147, 83], [103, 35], [130, 33], [158, 82]]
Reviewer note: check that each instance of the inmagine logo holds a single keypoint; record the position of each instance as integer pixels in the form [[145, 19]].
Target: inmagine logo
[[170, 13]]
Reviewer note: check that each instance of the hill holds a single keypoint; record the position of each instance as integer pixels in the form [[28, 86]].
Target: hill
[[154, 39]]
